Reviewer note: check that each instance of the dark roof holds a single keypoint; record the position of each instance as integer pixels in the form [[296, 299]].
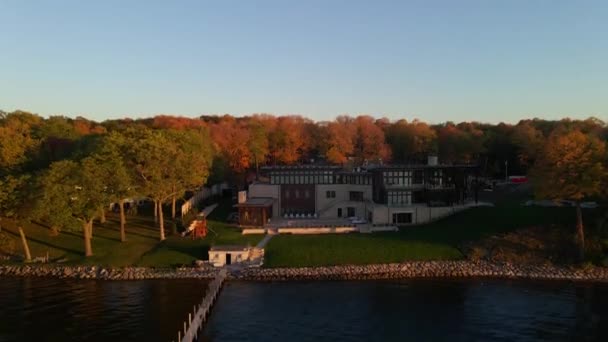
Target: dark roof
[[256, 202], [300, 167], [419, 166], [228, 248]]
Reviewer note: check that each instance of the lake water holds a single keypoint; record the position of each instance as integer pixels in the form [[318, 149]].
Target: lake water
[[416, 310]]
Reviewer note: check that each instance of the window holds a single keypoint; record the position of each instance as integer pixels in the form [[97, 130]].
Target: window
[[286, 194], [399, 198], [297, 193], [306, 193], [330, 194], [355, 195], [402, 178], [418, 177], [339, 212], [402, 218], [435, 179]]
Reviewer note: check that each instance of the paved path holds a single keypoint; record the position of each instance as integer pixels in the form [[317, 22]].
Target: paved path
[[209, 209], [264, 241]]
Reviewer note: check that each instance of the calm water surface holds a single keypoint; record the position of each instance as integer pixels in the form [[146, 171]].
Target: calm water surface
[[416, 310], [33, 309], [411, 310]]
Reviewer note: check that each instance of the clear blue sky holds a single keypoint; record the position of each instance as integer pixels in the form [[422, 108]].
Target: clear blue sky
[[486, 60]]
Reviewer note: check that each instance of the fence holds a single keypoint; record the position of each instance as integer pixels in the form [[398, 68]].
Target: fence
[[201, 195]]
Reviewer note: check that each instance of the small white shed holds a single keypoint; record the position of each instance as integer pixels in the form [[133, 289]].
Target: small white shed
[[228, 254]]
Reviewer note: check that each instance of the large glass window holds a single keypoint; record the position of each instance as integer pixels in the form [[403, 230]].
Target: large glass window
[[399, 198], [402, 178], [402, 218]]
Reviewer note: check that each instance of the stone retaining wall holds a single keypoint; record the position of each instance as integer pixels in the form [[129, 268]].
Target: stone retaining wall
[[96, 272], [426, 269], [414, 269]]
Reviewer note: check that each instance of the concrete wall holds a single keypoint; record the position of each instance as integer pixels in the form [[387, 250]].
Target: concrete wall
[[333, 230], [254, 231], [267, 191], [420, 213], [328, 207]]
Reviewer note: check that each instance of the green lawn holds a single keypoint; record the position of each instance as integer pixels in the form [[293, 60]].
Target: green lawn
[[439, 240], [436, 241], [141, 248]]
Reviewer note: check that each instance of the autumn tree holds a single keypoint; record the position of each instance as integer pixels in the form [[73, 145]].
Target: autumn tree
[[258, 143], [150, 155], [72, 192], [231, 139], [17, 140], [457, 144], [18, 145], [191, 164], [528, 140], [110, 156], [340, 139], [411, 141], [286, 141], [166, 163], [369, 143], [572, 166]]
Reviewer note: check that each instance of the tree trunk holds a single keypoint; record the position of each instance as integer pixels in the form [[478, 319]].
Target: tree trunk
[[155, 210], [121, 205], [87, 229], [161, 221], [102, 215], [580, 233], [26, 247], [173, 208]]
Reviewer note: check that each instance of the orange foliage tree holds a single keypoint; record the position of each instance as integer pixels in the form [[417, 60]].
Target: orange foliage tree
[[572, 166]]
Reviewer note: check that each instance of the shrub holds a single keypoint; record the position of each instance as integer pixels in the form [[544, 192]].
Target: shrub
[[477, 253], [7, 244]]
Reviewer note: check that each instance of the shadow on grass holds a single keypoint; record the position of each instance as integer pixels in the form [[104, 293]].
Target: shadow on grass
[[44, 243], [130, 232]]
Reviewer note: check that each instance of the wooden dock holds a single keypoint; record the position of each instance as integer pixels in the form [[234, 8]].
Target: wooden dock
[[195, 321]]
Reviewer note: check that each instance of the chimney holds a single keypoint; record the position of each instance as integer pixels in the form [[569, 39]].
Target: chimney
[[432, 161]]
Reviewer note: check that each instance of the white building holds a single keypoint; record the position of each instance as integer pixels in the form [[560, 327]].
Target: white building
[[377, 195]]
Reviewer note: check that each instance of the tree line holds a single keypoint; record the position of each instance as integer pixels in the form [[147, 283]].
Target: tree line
[[65, 172]]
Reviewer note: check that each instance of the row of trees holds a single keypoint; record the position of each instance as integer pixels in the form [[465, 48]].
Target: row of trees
[[65, 171], [68, 179]]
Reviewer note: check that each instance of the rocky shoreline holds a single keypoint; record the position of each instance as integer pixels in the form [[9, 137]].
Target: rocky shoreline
[[429, 269], [414, 269], [104, 273]]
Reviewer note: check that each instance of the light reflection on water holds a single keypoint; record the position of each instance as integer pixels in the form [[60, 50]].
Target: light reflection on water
[[419, 310], [415, 310]]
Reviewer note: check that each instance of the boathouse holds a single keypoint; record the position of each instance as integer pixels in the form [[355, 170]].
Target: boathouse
[[228, 254]]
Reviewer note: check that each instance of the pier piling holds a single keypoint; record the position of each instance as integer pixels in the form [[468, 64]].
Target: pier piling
[[198, 317]]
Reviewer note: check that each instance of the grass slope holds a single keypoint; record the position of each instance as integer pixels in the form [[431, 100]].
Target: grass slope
[[439, 240], [142, 247]]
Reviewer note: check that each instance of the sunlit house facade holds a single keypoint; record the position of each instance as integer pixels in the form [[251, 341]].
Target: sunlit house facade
[[376, 195]]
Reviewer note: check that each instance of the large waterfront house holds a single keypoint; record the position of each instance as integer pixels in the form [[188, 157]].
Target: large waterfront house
[[375, 195]]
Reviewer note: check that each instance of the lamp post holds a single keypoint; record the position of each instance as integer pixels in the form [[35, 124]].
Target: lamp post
[[506, 171]]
